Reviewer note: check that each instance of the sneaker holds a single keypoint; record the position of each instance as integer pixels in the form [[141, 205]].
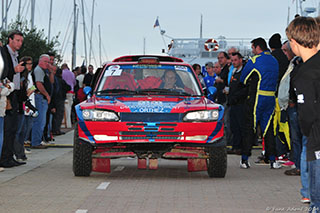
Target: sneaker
[[47, 143], [275, 165], [244, 164], [41, 146], [288, 164], [20, 160], [27, 151], [261, 160], [292, 172], [51, 142], [305, 200], [282, 159], [27, 142], [1, 169]]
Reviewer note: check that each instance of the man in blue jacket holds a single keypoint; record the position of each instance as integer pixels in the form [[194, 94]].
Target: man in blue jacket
[[261, 75]]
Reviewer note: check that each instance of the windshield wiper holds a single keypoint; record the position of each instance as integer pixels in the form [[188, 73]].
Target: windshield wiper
[[108, 91], [164, 92]]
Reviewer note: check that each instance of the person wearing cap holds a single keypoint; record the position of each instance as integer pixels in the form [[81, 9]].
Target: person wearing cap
[[282, 128], [276, 51]]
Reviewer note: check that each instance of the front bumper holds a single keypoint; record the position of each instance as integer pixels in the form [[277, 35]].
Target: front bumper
[[100, 133]]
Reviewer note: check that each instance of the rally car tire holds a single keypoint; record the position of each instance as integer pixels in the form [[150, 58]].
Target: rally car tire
[[217, 162], [82, 156]]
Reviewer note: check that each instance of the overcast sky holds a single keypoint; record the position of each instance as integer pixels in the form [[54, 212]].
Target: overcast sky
[[125, 24]]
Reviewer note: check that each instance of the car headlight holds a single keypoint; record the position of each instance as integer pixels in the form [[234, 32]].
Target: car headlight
[[99, 115], [207, 115]]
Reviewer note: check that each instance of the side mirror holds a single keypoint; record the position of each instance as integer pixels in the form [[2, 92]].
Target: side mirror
[[87, 90], [211, 92]]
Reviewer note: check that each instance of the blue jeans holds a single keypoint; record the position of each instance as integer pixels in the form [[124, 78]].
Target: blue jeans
[[295, 135], [18, 142], [314, 174], [304, 170], [27, 127], [40, 121], [1, 133]]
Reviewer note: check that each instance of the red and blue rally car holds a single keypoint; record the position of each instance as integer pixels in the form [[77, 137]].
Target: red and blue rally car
[[149, 107]]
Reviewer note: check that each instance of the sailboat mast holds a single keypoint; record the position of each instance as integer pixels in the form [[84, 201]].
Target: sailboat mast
[[50, 18], [75, 17], [2, 14], [100, 44], [6, 21], [144, 45], [84, 34], [33, 2], [90, 50], [301, 11], [201, 27], [19, 11], [288, 17]]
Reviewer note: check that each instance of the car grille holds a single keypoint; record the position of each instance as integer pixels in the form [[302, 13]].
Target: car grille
[[128, 135], [151, 117]]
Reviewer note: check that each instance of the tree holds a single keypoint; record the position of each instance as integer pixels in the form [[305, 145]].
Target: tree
[[34, 43]]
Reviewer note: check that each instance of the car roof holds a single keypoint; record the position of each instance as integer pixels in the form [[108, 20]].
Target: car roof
[[160, 58]]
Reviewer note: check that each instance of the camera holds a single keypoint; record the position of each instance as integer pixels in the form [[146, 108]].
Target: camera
[[34, 110], [5, 80]]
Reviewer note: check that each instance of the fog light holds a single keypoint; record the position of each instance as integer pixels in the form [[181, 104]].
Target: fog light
[[197, 137], [105, 138]]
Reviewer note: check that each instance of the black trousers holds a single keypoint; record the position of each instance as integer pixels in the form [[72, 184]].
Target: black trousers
[[10, 129], [58, 116], [237, 125], [250, 132]]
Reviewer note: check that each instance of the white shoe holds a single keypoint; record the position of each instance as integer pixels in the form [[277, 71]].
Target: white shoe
[[244, 164], [21, 160], [47, 143], [27, 142], [275, 165], [1, 169], [44, 143], [27, 151]]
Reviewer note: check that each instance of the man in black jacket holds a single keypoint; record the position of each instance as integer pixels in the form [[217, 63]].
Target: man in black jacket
[[15, 40], [236, 98], [59, 97], [303, 33], [276, 51]]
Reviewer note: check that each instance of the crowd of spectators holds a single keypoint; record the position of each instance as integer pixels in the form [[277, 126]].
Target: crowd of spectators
[[35, 94], [273, 98]]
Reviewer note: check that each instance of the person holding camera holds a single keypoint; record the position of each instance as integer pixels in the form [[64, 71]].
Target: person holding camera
[[14, 68], [27, 109]]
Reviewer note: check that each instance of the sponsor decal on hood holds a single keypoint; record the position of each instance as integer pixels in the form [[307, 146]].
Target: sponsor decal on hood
[[150, 106]]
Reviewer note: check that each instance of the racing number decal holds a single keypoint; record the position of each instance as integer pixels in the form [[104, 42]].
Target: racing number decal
[[114, 71]]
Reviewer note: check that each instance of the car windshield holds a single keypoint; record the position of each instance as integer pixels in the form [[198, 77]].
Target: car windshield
[[147, 79]]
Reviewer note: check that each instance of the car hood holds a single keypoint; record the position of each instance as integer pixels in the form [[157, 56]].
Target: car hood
[[149, 104]]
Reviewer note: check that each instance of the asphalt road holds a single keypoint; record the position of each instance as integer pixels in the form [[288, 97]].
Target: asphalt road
[[47, 184]]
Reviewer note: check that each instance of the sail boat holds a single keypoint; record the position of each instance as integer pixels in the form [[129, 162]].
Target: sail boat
[[201, 50]]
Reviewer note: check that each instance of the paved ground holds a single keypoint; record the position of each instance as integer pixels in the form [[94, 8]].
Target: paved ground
[[47, 184]]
